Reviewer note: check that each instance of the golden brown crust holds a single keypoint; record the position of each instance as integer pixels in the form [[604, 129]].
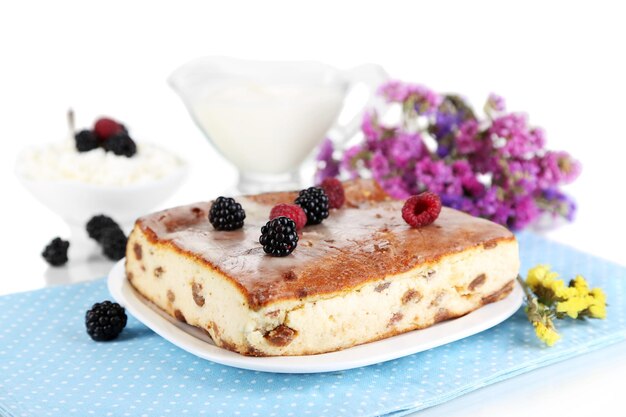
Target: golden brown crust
[[361, 243]]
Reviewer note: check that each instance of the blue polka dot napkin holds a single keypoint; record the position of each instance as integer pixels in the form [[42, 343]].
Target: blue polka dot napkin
[[50, 367]]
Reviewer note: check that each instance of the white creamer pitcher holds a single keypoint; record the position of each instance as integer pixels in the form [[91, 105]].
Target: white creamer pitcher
[[266, 117]]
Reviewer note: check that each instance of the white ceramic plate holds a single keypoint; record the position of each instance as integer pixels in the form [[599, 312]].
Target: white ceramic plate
[[195, 341]]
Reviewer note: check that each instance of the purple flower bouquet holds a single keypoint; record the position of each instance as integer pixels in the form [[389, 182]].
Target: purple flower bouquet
[[496, 167]]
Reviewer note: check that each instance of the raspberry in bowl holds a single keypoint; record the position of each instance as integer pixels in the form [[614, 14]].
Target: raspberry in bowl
[[90, 173]]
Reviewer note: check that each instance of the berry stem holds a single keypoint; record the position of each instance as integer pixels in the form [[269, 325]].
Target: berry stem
[[71, 123]]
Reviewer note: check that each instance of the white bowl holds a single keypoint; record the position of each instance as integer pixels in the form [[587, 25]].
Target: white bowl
[[76, 202]]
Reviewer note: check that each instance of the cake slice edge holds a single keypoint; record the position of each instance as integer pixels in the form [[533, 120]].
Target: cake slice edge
[[200, 295]]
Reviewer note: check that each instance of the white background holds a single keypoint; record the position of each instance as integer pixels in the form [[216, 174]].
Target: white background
[[562, 63]]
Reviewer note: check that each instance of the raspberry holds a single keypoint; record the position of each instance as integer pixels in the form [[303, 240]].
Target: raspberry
[[421, 210], [314, 202], [226, 214], [105, 321], [279, 236], [104, 128], [334, 190], [56, 252], [86, 141], [98, 224], [293, 211], [120, 144]]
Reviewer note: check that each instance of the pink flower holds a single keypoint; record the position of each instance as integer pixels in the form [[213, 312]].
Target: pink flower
[[326, 149], [327, 165], [557, 168], [488, 205], [351, 157], [512, 136], [379, 166], [497, 168], [369, 126], [518, 175], [394, 91], [396, 188], [526, 211], [436, 177], [405, 148], [424, 99], [468, 140], [496, 103]]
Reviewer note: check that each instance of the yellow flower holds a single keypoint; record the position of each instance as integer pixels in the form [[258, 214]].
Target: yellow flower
[[557, 286], [546, 285], [597, 309], [574, 305], [580, 284], [548, 297], [599, 295], [538, 275], [546, 333]]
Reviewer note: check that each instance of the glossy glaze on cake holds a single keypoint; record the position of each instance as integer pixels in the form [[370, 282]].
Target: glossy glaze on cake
[[363, 256]]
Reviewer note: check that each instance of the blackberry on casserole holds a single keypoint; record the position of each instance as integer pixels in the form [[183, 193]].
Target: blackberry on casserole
[[314, 202], [279, 236], [226, 214]]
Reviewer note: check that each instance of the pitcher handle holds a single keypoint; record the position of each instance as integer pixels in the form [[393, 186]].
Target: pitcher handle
[[372, 76]]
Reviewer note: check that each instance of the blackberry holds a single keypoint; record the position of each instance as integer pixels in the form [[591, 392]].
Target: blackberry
[[113, 241], [120, 144], [86, 140], [314, 202], [98, 224], [279, 236], [55, 253], [226, 214], [105, 321]]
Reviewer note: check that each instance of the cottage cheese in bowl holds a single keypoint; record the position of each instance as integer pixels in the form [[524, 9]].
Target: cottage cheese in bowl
[[78, 185], [61, 162]]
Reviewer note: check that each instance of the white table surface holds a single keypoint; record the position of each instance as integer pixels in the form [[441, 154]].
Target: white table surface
[[568, 76]]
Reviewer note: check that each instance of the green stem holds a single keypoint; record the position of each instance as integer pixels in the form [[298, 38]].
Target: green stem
[[527, 291]]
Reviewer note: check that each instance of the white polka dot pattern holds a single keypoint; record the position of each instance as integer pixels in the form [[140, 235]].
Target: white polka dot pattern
[[50, 367]]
